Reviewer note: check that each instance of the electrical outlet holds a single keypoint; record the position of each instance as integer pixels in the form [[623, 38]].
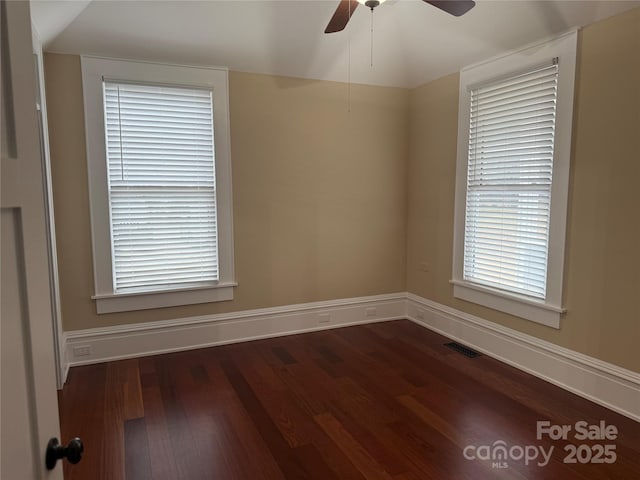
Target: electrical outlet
[[82, 351], [370, 311], [324, 318]]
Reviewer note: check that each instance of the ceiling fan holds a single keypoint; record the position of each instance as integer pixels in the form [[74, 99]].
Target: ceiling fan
[[346, 8]]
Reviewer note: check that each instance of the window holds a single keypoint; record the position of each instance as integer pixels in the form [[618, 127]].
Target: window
[[514, 145], [160, 184]]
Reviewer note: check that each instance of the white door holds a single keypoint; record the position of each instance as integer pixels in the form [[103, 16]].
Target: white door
[[29, 406]]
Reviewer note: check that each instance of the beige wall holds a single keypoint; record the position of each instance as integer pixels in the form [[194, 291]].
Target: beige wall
[[325, 199], [319, 198], [602, 276]]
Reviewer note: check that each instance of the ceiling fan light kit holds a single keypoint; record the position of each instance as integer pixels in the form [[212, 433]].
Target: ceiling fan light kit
[[345, 10]]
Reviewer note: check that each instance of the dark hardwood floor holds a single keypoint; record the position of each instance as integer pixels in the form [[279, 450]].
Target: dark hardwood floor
[[382, 401]]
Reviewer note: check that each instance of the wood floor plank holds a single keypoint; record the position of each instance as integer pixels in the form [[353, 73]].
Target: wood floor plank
[[309, 392], [114, 411], [433, 420], [159, 440], [180, 433], [379, 401], [425, 453], [222, 400], [290, 420], [284, 356], [136, 448], [287, 459], [369, 467], [133, 404], [465, 385], [81, 405], [370, 435]]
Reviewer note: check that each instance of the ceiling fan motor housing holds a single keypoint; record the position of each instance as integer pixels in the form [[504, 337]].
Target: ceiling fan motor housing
[[345, 9]]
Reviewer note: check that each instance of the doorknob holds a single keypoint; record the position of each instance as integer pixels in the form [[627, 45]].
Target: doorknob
[[72, 452]]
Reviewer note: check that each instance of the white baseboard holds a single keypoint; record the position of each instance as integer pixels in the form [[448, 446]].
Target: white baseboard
[[142, 339], [608, 385], [603, 383]]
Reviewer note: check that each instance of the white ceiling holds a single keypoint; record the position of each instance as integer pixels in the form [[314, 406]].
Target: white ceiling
[[413, 42]]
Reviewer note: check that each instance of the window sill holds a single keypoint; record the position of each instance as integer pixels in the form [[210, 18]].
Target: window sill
[[518, 305], [131, 301]]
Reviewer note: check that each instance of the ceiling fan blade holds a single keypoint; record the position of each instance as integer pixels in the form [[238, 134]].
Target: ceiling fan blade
[[454, 7], [341, 16]]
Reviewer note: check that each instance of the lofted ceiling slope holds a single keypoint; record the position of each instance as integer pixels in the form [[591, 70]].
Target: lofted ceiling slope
[[412, 42]]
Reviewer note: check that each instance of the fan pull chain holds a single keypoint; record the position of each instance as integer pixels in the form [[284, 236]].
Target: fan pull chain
[[349, 61], [371, 53]]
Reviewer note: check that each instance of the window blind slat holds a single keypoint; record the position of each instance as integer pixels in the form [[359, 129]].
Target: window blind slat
[[527, 99], [513, 133], [508, 85], [526, 108], [161, 170], [510, 167], [506, 249]]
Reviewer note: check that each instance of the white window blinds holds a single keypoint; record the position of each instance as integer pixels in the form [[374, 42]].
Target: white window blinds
[[161, 175], [511, 144]]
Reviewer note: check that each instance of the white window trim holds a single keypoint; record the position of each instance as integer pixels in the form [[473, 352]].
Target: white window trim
[[94, 69], [548, 311]]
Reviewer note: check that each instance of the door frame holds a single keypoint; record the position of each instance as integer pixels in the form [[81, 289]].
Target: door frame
[[56, 313]]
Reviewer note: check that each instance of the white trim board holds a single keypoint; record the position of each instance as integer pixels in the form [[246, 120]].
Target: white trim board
[[603, 383], [142, 339], [613, 387]]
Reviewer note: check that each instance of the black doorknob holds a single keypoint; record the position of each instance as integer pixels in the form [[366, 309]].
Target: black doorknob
[[72, 452]]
